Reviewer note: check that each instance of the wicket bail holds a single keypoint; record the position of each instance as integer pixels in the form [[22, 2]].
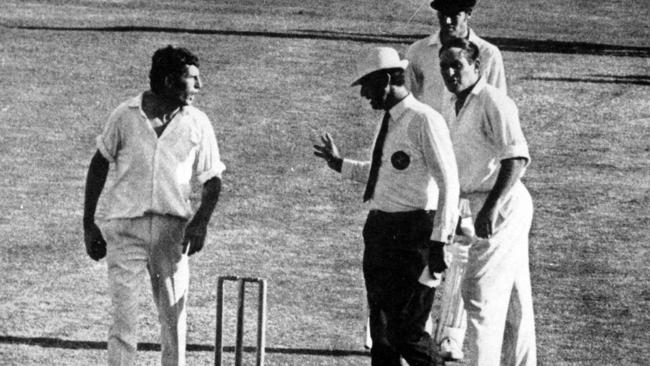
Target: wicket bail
[[261, 319]]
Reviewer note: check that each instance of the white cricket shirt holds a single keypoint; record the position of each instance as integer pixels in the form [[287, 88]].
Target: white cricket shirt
[[153, 174], [485, 131], [417, 167]]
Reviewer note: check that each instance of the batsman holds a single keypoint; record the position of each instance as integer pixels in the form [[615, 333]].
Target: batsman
[[492, 155], [426, 83]]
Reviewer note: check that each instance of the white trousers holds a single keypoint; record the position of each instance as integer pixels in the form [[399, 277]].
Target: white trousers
[[496, 288], [152, 244]]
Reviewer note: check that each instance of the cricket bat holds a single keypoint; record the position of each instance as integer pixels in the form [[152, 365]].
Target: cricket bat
[[451, 324]]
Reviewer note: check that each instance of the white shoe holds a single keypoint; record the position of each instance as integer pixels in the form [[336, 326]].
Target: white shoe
[[450, 350], [367, 342]]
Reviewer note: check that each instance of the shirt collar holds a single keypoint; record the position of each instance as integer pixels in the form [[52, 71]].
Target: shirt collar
[[135, 102], [472, 37], [434, 39], [398, 109], [480, 85]]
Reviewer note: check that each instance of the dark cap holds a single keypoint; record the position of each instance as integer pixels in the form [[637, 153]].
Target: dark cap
[[453, 6]]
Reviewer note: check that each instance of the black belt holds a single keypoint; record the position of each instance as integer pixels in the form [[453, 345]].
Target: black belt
[[401, 216]]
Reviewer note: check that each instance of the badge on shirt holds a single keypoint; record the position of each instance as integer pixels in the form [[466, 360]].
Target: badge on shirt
[[400, 160]]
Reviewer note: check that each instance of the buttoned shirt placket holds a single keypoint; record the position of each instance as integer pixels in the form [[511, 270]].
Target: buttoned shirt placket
[[158, 143]]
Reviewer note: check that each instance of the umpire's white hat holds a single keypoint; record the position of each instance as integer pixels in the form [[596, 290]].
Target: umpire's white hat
[[378, 58]]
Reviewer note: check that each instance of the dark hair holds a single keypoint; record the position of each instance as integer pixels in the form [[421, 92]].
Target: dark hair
[[453, 6], [169, 61], [469, 48]]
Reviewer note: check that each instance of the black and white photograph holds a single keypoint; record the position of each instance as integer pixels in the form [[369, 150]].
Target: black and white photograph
[[324, 183]]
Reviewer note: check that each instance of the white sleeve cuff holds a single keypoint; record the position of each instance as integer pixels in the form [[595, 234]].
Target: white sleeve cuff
[[515, 151], [347, 168], [441, 235], [103, 150], [214, 172]]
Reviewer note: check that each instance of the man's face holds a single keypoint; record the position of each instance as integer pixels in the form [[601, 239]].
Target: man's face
[[457, 72], [375, 88], [185, 87], [454, 24]]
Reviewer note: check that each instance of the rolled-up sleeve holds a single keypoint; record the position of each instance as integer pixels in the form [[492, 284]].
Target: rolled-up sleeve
[[503, 117], [208, 163], [108, 143], [494, 71], [441, 162]]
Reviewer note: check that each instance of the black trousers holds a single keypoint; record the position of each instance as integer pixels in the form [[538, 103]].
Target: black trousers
[[396, 252]]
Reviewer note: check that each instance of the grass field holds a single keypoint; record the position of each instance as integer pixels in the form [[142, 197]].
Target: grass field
[[277, 75]]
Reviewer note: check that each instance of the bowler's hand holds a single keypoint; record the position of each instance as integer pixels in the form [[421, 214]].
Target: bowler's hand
[[484, 225], [436, 257], [329, 152], [195, 234], [95, 243]]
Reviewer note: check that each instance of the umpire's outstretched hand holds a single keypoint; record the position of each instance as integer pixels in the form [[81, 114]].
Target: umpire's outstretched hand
[[329, 152], [95, 243]]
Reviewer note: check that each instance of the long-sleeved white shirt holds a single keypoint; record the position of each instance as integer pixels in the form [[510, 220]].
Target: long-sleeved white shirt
[[423, 76], [418, 168]]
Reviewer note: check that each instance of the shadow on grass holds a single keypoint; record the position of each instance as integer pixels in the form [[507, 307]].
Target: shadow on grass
[[600, 79], [48, 342], [505, 44]]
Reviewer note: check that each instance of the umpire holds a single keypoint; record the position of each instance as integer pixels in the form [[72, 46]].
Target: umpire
[[412, 165]]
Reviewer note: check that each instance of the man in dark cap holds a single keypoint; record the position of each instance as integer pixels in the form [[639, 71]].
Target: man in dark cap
[[425, 82], [423, 73]]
